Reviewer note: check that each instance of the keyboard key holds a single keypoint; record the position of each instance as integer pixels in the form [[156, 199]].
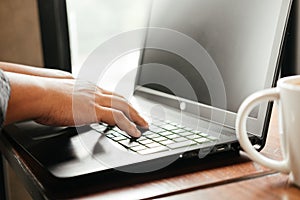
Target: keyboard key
[[147, 133], [173, 136], [115, 134], [159, 139], [196, 132], [202, 140], [155, 129], [193, 136], [181, 144], [119, 138], [169, 127], [147, 141], [110, 136], [186, 133], [153, 150], [178, 131], [212, 138], [153, 135], [165, 133], [138, 148], [141, 138], [203, 134], [174, 123], [98, 127], [180, 139], [166, 142], [128, 144], [180, 126], [153, 144]]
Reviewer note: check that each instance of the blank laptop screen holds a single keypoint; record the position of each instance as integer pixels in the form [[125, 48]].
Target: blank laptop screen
[[238, 35]]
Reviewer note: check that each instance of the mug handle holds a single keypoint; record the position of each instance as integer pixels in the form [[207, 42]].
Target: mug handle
[[244, 110]]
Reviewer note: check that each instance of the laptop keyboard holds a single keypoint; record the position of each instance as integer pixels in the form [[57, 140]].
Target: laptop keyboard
[[163, 136]]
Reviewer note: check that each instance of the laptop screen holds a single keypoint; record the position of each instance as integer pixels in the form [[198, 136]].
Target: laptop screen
[[240, 38], [213, 53]]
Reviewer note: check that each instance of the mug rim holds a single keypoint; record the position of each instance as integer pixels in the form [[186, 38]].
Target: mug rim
[[287, 82]]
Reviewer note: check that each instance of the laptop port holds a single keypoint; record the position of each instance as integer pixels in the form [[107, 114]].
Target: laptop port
[[221, 147]]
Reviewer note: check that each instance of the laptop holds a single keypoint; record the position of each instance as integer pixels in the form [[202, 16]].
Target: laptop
[[200, 59]]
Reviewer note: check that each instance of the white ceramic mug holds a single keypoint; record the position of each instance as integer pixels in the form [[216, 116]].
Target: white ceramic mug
[[287, 93]]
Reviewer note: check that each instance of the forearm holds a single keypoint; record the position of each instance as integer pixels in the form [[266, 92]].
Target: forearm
[[67, 102], [34, 71], [26, 97]]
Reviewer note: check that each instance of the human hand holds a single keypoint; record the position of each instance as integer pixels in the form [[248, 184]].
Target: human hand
[[69, 102]]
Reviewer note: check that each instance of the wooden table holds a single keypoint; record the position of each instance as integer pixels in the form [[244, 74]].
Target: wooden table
[[216, 177]]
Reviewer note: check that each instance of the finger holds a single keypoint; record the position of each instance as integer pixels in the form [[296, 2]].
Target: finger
[[122, 105], [115, 117], [112, 93]]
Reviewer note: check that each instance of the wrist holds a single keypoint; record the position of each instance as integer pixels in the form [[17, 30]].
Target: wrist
[[27, 97]]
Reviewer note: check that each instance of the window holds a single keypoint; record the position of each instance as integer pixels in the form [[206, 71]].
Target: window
[[93, 22]]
